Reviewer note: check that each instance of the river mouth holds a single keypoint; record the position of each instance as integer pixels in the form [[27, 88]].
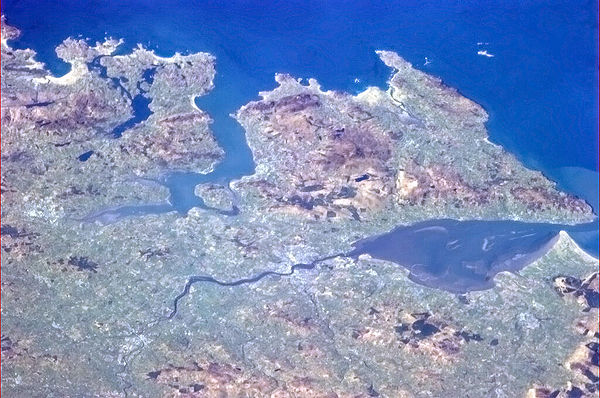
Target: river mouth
[[451, 255], [463, 256]]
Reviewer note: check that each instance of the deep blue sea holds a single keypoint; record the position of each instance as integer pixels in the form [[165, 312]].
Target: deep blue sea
[[540, 88]]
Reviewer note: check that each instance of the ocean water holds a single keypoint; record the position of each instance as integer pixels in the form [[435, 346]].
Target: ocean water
[[540, 87]]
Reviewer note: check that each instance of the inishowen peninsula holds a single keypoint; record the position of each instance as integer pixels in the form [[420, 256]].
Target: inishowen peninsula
[[349, 245]]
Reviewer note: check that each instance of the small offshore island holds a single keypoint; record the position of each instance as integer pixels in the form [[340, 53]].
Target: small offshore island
[[265, 284]]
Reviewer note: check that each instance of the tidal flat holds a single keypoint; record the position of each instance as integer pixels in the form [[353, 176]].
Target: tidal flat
[[105, 263]]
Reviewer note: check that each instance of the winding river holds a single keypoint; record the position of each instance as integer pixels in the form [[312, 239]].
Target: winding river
[[456, 256]]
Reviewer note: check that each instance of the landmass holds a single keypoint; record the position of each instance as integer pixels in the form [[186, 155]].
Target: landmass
[[64, 118], [96, 310], [419, 150]]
